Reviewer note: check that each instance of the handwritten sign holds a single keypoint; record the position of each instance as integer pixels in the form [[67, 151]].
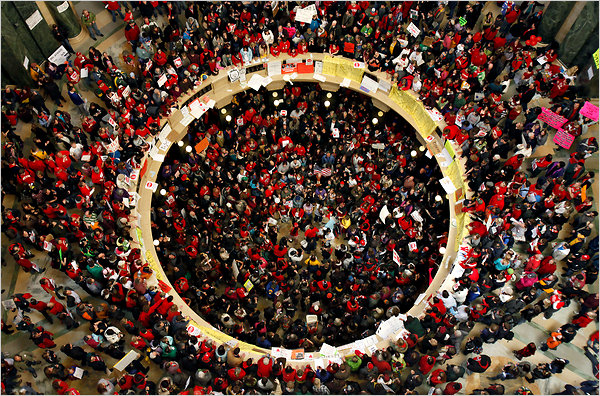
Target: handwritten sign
[[590, 111], [597, 57], [551, 118], [563, 139], [413, 29]]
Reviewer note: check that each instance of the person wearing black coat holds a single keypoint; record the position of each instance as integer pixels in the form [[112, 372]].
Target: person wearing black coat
[[478, 364], [61, 35], [74, 352]]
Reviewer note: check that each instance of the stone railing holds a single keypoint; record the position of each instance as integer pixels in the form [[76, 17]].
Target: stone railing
[[332, 71]]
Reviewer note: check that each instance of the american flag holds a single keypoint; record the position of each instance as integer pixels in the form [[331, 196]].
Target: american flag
[[322, 172], [396, 256]]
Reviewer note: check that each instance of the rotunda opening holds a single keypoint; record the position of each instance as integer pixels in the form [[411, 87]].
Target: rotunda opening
[[308, 218]]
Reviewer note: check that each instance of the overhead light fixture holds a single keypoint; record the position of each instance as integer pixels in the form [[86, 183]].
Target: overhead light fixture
[[163, 191], [413, 153], [228, 118], [180, 143], [188, 149], [375, 121], [275, 94], [329, 95], [442, 250], [438, 198], [223, 110], [380, 114], [327, 103]]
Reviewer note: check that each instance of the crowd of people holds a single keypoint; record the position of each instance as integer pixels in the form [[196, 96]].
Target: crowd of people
[[262, 187]]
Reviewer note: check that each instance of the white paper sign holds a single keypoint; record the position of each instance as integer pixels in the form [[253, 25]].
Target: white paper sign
[[78, 373], [384, 86], [151, 186], [345, 82], [162, 80], [444, 158], [274, 68], [369, 85], [412, 29], [59, 56], [62, 7], [318, 67], [446, 182], [304, 15], [34, 19], [384, 213], [164, 146], [26, 63], [359, 65], [255, 82], [435, 115]]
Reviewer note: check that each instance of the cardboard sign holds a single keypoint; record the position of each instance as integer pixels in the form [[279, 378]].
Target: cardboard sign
[[162, 80], [563, 139], [248, 285], [335, 133], [203, 145], [551, 118], [359, 65], [590, 111]]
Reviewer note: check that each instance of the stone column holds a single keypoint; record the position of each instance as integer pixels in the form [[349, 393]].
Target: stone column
[[67, 18], [45, 12], [17, 36], [553, 18], [579, 34], [566, 26], [41, 33]]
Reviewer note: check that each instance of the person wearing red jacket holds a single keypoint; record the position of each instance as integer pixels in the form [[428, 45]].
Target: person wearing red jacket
[[132, 34], [426, 363]]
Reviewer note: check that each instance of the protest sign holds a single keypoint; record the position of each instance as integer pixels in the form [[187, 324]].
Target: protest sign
[[551, 118], [563, 138], [590, 111]]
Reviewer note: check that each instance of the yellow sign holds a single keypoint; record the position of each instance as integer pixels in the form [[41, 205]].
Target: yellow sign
[[248, 285], [597, 57]]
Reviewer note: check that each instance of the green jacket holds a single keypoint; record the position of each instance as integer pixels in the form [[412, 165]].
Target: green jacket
[[89, 20], [354, 366]]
